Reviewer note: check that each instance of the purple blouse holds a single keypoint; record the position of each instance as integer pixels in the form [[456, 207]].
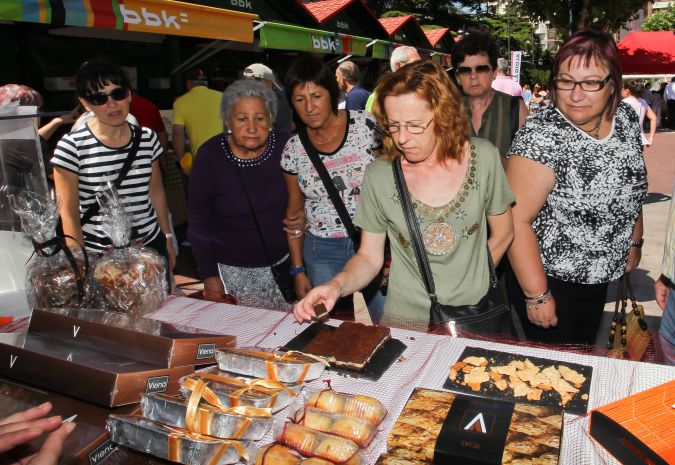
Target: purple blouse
[[221, 226]]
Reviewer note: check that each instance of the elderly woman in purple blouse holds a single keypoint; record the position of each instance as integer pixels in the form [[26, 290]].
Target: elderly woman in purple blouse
[[237, 202]]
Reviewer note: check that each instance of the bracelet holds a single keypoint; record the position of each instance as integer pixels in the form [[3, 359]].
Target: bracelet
[[168, 236], [538, 300], [637, 244], [296, 270]]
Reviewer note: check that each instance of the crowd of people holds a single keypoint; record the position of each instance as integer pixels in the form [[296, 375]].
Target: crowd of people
[[470, 194]]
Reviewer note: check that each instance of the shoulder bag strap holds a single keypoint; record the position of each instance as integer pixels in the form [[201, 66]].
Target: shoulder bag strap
[[255, 218], [515, 114], [333, 193], [414, 229], [95, 207]]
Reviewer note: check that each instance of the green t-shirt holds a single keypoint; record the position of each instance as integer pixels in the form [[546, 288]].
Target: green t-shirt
[[455, 235]]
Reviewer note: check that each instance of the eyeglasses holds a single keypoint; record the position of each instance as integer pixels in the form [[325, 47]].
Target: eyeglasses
[[591, 85], [101, 98], [467, 70], [412, 128]]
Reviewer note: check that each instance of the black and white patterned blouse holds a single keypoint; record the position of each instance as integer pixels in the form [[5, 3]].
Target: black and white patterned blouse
[[585, 225]]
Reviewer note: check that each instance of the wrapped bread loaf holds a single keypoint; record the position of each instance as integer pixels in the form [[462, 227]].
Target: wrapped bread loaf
[[359, 406]]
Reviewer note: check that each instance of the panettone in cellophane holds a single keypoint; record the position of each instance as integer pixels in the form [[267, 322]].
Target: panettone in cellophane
[[128, 278]]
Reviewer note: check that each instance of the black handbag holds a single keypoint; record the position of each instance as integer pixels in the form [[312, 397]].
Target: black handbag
[[280, 271], [489, 316]]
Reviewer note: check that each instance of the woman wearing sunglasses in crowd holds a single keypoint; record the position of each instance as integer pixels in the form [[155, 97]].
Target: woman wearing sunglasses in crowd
[[579, 177], [493, 115], [457, 188], [90, 157]]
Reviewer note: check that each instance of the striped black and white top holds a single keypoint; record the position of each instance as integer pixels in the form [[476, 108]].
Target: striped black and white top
[[95, 164]]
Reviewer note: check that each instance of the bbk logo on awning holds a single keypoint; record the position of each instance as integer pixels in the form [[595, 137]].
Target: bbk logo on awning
[[327, 44], [157, 18]]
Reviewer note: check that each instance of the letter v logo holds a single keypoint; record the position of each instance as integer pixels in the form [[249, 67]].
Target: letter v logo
[[76, 329], [12, 360], [477, 424]]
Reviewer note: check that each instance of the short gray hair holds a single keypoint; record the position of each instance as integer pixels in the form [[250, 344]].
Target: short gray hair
[[401, 56], [503, 65], [247, 88], [350, 72]]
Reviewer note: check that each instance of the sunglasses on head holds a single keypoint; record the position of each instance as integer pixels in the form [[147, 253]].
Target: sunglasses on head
[[101, 98], [466, 70]]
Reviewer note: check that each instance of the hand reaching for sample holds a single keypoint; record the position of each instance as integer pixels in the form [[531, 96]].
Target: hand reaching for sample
[[24, 426]]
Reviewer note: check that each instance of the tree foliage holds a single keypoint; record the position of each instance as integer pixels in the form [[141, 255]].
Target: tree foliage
[[661, 20]]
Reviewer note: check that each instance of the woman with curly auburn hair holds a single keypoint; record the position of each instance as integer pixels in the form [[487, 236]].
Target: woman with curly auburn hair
[[457, 188]]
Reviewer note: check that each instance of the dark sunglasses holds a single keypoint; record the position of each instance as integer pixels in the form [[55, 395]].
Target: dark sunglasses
[[466, 70], [101, 98]]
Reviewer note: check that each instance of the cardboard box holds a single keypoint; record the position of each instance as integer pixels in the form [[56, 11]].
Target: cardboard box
[[88, 444], [138, 338], [437, 427], [98, 377], [639, 429]]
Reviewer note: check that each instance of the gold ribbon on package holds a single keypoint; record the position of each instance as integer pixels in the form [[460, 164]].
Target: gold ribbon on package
[[265, 386], [176, 435], [199, 417], [274, 357]]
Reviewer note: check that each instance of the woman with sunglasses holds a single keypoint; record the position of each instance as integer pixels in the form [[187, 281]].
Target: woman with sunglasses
[[457, 188], [579, 177], [89, 158], [493, 115]]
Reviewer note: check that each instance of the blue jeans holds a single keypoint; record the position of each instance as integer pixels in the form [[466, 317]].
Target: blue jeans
[[325, 257], [667, 329]]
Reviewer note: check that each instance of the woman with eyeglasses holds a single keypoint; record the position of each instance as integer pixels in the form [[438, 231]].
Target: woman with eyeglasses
[[493, 115], [344, 142], [457, 188], [579, 177], [88, 159]]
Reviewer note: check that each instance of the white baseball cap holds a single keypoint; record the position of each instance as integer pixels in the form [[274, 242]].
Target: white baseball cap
[[260, 71]]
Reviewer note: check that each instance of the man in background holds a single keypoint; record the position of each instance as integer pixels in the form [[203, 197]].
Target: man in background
[[503, 82], [197, 114], [262, 73], [348, 77], [401, 56]]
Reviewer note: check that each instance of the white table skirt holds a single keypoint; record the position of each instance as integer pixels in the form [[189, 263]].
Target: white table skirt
[[425, 363]]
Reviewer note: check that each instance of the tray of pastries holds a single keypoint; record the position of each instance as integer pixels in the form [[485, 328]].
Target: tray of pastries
[[521, 378], [353, 348]]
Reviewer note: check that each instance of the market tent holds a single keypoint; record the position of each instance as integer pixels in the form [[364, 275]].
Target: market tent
[[443, 44], [347, 17], [154, 16], [406, 30], [648, 53]]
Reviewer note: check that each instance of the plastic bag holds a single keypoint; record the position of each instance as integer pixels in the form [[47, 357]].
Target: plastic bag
[[129, 279], [56, 275]]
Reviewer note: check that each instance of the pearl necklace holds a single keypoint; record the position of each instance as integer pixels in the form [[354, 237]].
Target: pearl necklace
[[247, 163]]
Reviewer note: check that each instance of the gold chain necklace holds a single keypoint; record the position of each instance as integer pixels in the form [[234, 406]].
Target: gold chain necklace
[[595, 132], [329, 140]]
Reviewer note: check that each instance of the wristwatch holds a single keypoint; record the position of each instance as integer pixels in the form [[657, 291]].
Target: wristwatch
[[296, 270], [637, 244]]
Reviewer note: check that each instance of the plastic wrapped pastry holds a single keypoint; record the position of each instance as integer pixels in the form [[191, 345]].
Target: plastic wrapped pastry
[[278, 454], [359, 406], [289, 367], [234, 391], [359, 430], [173, 443], [316, 444], [248, 423]]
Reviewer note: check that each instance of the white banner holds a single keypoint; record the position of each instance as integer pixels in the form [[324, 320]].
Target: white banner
[[516, 61]]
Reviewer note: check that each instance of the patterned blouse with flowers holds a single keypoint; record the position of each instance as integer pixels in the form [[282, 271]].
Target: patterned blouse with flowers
[[585, 225]]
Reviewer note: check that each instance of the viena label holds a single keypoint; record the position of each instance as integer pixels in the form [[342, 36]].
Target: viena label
[[207, 350], [101, 453], [158, 18], [157, 384]]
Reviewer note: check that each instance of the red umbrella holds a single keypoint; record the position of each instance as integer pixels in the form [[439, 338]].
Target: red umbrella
[[648, 53]]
